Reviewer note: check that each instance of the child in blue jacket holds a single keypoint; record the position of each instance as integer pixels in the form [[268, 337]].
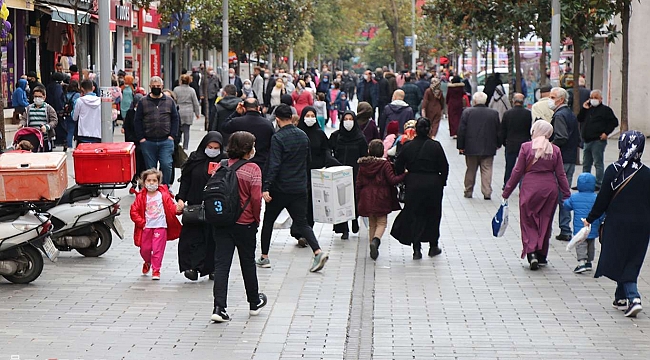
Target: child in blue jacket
[[581, 204]]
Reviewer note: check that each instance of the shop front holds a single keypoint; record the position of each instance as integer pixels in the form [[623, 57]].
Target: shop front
[[12, 48], [141, 54]]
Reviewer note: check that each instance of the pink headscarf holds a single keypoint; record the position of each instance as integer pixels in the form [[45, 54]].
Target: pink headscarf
[[541, 132]]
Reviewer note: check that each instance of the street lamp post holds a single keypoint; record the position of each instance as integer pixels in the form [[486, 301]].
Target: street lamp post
[[224, 42], [555, 43], [414, 48], [104, 9]]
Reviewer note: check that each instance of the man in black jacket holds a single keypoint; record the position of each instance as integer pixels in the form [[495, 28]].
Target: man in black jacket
[[566, 136], [286, 185], [248, 117], [224, 108], [598, 121], [478, 140], [515, 130], [384, 91]]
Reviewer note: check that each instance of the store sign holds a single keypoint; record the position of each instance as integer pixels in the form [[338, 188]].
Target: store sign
[[121, 13], [149, 21], [154, 60], [84, 5]]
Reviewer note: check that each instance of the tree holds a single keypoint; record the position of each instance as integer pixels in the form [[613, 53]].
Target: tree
[[378, 51], [624, 9]]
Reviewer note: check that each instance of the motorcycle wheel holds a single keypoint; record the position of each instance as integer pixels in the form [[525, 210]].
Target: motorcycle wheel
[[103, 242], [34, 267]]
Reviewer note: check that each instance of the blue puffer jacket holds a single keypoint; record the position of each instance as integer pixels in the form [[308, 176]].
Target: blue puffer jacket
[[582, 202]]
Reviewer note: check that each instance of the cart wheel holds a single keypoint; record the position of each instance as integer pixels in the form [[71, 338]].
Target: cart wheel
[[104, 241], [33, 268]]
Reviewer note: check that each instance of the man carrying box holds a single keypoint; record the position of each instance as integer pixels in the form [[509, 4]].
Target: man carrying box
[[285, 186]]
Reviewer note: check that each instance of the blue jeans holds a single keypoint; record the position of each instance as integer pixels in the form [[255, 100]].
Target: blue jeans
[[593, 155], [565, 215], [626, 290], [159, 151], [70, 126]]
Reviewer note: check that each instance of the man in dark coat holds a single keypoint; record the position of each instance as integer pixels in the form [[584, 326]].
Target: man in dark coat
[[368, 90], [248, 117], [384, 90], [234, 79], [32, 80], [224, 108], [398, 110], [412, 94], [56, 99], [566, 136], [348, 84], [583, 92], [515, 130], [597, 121], [478, 140]]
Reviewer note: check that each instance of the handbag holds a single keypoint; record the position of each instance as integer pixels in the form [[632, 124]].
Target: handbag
[[179, 157], [194, 214]]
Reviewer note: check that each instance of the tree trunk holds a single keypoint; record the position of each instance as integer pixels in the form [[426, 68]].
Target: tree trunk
[[511, 68], [392, 22], [204, 84], [517, 64], [577, 50], [625, 66], [542, 63]]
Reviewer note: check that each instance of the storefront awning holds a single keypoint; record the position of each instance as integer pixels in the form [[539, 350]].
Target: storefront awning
[[65, 15]]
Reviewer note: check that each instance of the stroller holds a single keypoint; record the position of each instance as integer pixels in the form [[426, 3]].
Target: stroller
[[32, 135]]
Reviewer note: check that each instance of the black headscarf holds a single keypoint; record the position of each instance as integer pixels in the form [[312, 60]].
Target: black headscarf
[[307, 129], [199, 157], [353, 135]]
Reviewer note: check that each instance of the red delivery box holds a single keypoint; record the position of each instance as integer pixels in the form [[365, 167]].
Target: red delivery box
[[32, 176], [104, 163]]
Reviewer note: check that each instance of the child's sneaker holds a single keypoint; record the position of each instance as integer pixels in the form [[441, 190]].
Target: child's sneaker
[[263, 262], [155, 275], [145, 268], [582, 267], [634, 308], [255, 309], [589, 266]]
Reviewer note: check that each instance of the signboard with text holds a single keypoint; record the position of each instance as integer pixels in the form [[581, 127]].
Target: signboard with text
[[121, 13], [149, 21], [154, 60]]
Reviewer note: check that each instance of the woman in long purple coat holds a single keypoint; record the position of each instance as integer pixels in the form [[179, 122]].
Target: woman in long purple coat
[[541, 162], [455, 93]]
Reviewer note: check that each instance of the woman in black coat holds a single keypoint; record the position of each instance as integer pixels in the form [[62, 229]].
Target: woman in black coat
[[428, 170], [625, 200], [348, 144], [321, 156], [196, 243]]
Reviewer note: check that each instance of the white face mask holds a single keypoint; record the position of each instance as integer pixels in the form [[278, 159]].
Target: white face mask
[[39, 101], [231, 75], [253, 154], [348, 124], [151, 187], [367, 77], [212, 152], [266, 76], [247, 87], [551, 104], [594, 102], [310, 121]]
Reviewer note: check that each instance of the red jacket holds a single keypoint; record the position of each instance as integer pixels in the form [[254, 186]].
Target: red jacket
[[376, 192], [137, 215]]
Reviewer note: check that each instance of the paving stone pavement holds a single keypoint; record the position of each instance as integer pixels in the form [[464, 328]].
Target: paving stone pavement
[[475, 301]]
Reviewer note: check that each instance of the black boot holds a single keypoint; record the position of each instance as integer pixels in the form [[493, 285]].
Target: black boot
[[191, 274], [434, 251], [417, 251], [533, 261], [374, 248], [355, 226]]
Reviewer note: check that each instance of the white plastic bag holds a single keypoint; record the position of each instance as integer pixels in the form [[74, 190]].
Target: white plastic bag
[[579, 237], [283, 221]]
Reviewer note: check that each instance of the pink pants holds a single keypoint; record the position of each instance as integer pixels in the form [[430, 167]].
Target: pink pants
[[334, 114], [152, 246]]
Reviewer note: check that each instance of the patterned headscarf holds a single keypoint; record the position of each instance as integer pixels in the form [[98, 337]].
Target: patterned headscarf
[[435, 87], [630, 145]]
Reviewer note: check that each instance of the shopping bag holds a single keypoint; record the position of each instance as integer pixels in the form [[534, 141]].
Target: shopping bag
[[500, 220], [283, 221], [579, 237]]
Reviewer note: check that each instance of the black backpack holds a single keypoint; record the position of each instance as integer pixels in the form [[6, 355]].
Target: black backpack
[[68, 106], [221, 196]]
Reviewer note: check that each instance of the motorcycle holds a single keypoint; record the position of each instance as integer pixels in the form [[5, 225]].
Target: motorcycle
[[82, 220], [24, 231]]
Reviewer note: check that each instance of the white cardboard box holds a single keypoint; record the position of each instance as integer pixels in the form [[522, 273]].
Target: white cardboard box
[[333, 194]]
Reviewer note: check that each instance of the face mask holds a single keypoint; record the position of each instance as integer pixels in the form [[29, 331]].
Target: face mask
[[325, 80], [231, 75], [310, 121], [343, 99], [594, 102], [278, 85], [151, 187], [27, 88], [39, 101], [331, 86], [348, 124], [551, 104], [345, 73], [212, 152], [156, 91], [247, 87], [253, 154], [266, 76], [367, 77]]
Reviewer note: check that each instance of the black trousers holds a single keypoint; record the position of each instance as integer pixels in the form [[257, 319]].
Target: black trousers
[[227, 239], [296, 205], [310, 217]]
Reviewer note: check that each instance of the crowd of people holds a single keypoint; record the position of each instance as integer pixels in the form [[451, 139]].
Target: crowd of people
[[270, 131]]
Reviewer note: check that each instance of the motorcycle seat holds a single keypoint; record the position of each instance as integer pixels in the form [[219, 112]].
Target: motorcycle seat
[[78, 193]]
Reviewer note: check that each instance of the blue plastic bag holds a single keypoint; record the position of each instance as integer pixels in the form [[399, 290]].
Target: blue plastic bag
[[500, 220]]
